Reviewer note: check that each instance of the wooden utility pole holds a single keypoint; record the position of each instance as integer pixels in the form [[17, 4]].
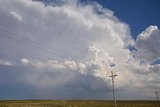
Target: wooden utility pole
[[113, 88], [156, 95]]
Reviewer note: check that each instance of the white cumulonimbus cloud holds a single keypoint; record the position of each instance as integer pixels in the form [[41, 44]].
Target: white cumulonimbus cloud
[[147, 44], [68, 49]]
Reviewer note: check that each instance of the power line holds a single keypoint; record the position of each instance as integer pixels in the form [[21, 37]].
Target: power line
[[30, 43], [113, 88]]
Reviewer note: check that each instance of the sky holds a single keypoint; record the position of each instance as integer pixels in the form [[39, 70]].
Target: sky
[[139, 14], [64, 49]]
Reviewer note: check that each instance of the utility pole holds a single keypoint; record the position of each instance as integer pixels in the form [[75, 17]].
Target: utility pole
[[114, 97], [156, 95]]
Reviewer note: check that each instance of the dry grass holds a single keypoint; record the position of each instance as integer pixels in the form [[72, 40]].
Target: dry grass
[[76, 103]]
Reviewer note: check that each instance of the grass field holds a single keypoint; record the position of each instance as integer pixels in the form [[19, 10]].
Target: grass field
[[76, 103]]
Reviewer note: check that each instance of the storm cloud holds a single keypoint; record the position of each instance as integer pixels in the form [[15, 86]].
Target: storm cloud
[[65, 51]]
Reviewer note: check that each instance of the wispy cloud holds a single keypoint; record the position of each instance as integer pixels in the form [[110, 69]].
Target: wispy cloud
[[5, 62]]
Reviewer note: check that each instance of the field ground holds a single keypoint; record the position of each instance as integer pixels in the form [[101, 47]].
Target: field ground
[[76, 103]]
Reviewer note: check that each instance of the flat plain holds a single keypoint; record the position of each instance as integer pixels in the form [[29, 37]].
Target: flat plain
[[76, 103]]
